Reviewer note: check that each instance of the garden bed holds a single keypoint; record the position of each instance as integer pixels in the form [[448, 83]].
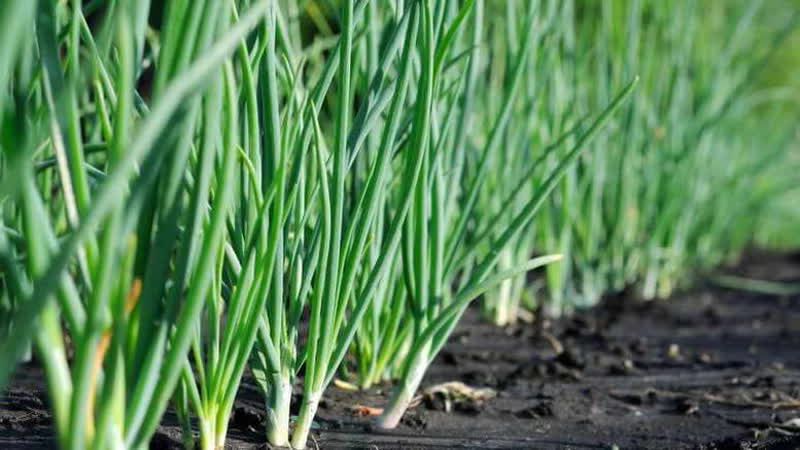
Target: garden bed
[[711, 368]]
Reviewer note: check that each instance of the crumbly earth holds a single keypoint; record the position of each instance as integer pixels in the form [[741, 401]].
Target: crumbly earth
[[709, 369]]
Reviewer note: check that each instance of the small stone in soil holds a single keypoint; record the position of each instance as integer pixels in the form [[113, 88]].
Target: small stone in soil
[[704, 358], [626, 367]]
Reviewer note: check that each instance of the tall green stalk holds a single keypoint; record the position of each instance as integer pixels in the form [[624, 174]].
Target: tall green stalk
[[130, 327]]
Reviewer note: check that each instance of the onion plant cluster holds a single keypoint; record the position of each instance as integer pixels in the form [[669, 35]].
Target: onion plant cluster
[[115, 198], [196, 191], [181, 202], [449, 255], [676, 183]]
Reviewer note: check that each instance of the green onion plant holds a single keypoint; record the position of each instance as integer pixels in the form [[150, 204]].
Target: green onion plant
[[197, 191], [114, 210]]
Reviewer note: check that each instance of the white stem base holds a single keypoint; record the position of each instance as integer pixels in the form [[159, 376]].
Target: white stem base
[[304, 420], [403, 394], [209, 439], [278, 412], [504, 313]]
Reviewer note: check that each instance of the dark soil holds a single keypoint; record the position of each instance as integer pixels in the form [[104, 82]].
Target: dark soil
[[708, 369]]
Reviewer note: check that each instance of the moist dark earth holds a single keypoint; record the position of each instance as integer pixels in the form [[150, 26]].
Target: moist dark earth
[[711, 368]]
